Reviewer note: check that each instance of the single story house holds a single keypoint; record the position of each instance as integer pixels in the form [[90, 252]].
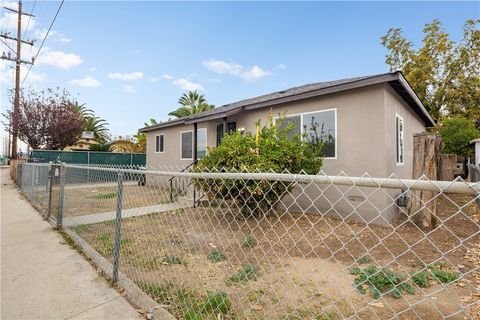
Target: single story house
[[370, 122]]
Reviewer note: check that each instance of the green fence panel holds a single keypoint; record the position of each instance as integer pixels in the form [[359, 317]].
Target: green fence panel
[[89, 157]]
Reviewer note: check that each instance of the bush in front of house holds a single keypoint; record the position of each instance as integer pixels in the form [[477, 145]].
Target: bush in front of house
[[273, 148], [457, 132]]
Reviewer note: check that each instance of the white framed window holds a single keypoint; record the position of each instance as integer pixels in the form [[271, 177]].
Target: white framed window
[[400, 143], [186, 142], [317, 124], [159, 143]]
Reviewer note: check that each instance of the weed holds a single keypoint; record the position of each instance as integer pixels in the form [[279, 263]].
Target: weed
[[216, 256], [421, 279], [217, 302], [249, 241], [80, 228], [255, 295], [381, 281], [105, 196], [172, 259], [104, 238], [363, 260], [185, 303], [248, 272], [443, 275], [327, 316]]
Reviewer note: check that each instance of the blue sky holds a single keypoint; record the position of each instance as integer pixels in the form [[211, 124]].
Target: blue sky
[[130, 61]]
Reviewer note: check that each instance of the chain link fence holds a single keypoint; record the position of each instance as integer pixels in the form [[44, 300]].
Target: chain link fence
[[251, 245]]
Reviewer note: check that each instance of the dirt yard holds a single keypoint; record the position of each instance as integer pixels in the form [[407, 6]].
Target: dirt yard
[[83, 200], [295, 266]]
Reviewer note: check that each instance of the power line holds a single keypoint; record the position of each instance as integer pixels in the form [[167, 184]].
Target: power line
[[29, 18], [43, 41]]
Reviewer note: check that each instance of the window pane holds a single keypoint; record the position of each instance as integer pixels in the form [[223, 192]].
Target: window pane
[[201, 143], [322, 126], [161, 142], [297, 128], [400, 142], [187, 143], [156, 144], [231, 127], [219, 133]]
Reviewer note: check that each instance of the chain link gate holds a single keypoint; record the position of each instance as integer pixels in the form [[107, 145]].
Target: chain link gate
[[275, 246]]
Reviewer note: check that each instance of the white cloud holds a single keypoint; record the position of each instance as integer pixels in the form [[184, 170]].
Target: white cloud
[[222, 67], [58, 59], [126, 76], [167, 76], [9, 21], [87, 82], [187, 85], [281, 66], [7, 75], [52, 35], [255, 73], [129, 89]]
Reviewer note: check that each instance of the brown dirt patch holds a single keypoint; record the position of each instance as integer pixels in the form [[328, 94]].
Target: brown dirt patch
[[303, 261]]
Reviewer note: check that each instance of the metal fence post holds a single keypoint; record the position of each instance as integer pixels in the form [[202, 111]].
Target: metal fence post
[[61, 196], [49, 189], [118, 227]]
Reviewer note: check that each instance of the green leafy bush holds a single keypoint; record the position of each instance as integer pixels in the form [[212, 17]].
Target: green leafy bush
[[421, 279], [381, 281], [216, 256], [249, 241], [443, 275], [274, 148], [456, 134], [172, 259], [248, 272]]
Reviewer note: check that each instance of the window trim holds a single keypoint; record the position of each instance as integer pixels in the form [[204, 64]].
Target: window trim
[[206, 142], [397, 141], [158, 135], [301, 114]]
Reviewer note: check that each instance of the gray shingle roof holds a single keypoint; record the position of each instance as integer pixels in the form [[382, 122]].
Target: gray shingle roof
[[279, 95]]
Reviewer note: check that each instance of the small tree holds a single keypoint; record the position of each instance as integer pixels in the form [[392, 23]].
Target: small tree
[[457, 133], [47, 119], [271, 149]]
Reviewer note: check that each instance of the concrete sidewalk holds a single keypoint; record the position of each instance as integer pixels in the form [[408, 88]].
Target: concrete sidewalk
[[42, 278]]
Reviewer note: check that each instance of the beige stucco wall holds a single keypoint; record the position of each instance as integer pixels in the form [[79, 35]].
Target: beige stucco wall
[[365, 145]]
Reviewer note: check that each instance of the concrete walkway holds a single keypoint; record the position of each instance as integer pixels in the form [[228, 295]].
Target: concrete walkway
[[42, 278], [126, 213]]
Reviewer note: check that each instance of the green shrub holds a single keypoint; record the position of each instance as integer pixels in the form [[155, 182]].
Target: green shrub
[[421, 279], [381, 281], [216, 256], [248, 272], [442, 275], [457, 132], [172, 259], [249, 241], [104, 196], [274, 148]]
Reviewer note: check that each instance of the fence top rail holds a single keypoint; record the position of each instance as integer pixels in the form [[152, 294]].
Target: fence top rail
[[457, 186]]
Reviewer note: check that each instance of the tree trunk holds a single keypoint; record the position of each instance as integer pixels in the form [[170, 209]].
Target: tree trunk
[[426, 155]]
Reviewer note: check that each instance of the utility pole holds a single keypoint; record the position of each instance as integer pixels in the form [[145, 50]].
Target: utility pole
[[18, 61]]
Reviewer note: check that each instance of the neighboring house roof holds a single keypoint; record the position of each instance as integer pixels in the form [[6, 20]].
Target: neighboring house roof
[[395, 79]]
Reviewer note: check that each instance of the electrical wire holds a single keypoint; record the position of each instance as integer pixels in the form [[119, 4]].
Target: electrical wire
[[43, 41]]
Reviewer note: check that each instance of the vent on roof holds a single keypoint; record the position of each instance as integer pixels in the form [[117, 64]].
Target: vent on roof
[[283, 91]]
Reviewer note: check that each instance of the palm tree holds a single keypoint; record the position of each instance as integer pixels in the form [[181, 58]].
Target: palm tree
[[191, 103], [99, 128], [82, 110]]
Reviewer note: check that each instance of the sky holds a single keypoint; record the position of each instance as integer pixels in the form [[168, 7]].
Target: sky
[[131, 61]]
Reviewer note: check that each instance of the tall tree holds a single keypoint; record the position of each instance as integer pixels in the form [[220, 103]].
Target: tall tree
[[99, 128], [47, 119], [444, 74], [191, 103], [141, 138]]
